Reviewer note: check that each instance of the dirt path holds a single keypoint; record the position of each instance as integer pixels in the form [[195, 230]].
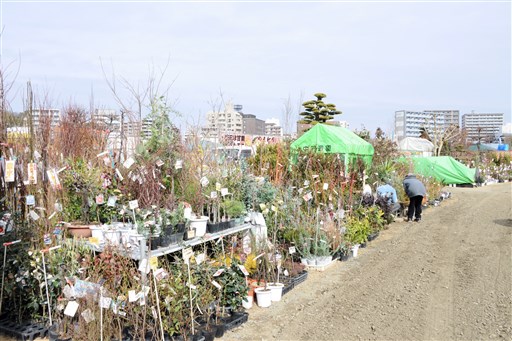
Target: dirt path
[[446, 278]]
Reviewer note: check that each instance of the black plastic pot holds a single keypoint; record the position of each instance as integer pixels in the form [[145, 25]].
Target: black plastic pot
[[214, 227], [54, 335]]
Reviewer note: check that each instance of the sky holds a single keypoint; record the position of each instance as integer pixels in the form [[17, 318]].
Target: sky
[[370, 58]]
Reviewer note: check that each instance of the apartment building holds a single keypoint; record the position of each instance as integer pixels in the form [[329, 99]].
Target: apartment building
[[485, 127], [42, 115], [410, 123], [273, 127], [228, 121]]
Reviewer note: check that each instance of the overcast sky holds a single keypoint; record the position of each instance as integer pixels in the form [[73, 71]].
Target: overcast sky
[[371, 59]]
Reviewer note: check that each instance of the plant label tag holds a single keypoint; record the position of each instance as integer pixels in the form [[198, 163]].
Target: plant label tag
[[100, 199], [187, 253], [286, 273], [112, 201], [32, 173], [200, 258], [153, 312], [191, 286], [128, 163], [160, 274], [9, 170], [218, 186], [94, 240], [308, 196], [153, 263], [144, 266], [159, 163], [133, 204], [263, 207], [217, 285], [224, 192], [71, 308], [119, 175], [243, 269], [218, 272], [178, 164], [292, 250], [326, 186], [273, 208], [204, 181], [88, 315], [31, 200], [142, 300], [315, 176], [34, 215], [58, 207], [213, 195], [306, 183], [132, 296], [300, 190]]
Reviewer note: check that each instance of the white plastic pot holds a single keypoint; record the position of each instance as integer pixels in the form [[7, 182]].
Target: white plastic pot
[[248, 304], [355, 248], [199, 224], [277, 291], [263, 297]]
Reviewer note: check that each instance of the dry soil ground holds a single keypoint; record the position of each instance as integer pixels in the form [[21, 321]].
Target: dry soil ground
[[446, 278]]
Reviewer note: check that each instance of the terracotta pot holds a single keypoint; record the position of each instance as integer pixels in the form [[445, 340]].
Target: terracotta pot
[[79, 231]]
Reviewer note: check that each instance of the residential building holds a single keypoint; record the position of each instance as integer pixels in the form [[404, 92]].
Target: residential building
[[40, 115], [107, 119], [409, 123], [253, 125], [228, 121], [483, 127], [273, 127]]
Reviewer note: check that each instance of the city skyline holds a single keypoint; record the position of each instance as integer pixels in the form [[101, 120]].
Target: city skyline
[[371, 59]]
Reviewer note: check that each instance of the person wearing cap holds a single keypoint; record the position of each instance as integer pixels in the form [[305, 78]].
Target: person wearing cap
[[387, 191], [416, 191]]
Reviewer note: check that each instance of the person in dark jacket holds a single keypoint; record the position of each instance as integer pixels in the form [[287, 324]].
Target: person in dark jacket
[[416, 191]]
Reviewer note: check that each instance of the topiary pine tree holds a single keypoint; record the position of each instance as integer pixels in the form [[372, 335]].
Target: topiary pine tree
[[316, 111]]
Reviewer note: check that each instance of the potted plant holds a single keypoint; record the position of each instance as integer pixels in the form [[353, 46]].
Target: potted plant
[[233, 209]]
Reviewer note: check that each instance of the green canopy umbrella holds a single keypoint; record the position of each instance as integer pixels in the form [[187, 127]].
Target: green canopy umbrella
[[326, 138]]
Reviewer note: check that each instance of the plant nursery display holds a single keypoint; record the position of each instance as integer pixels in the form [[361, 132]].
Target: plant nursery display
[[169, 239]]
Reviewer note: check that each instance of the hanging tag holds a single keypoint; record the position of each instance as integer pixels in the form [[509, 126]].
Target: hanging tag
[[218, 186], [34, 215], [58, 207], [315, 176], [204, 181], [128, 163], [217, 285], [9, 170], [326, 186], [112, 201], [243, 269], [218, 272], [118, 173], [224, 192], [100, 199], [144, 266], [71, 308], [160, 274], [88, 315], [132, 296], [159, 163], [30, 200], [300, 190], [213, 195], [178, 164], [153, 263], [286, 273], [291, 250], [200, 258], [306, 183], [32, 173]]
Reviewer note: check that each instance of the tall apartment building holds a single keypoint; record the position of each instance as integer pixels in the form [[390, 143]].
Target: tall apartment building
[[40, 115], [483, 126], [228, 121], [409, 123], [253, 125]]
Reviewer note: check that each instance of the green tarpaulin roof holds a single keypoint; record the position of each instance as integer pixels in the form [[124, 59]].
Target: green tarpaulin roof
[[445, 169], [332, 139]]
